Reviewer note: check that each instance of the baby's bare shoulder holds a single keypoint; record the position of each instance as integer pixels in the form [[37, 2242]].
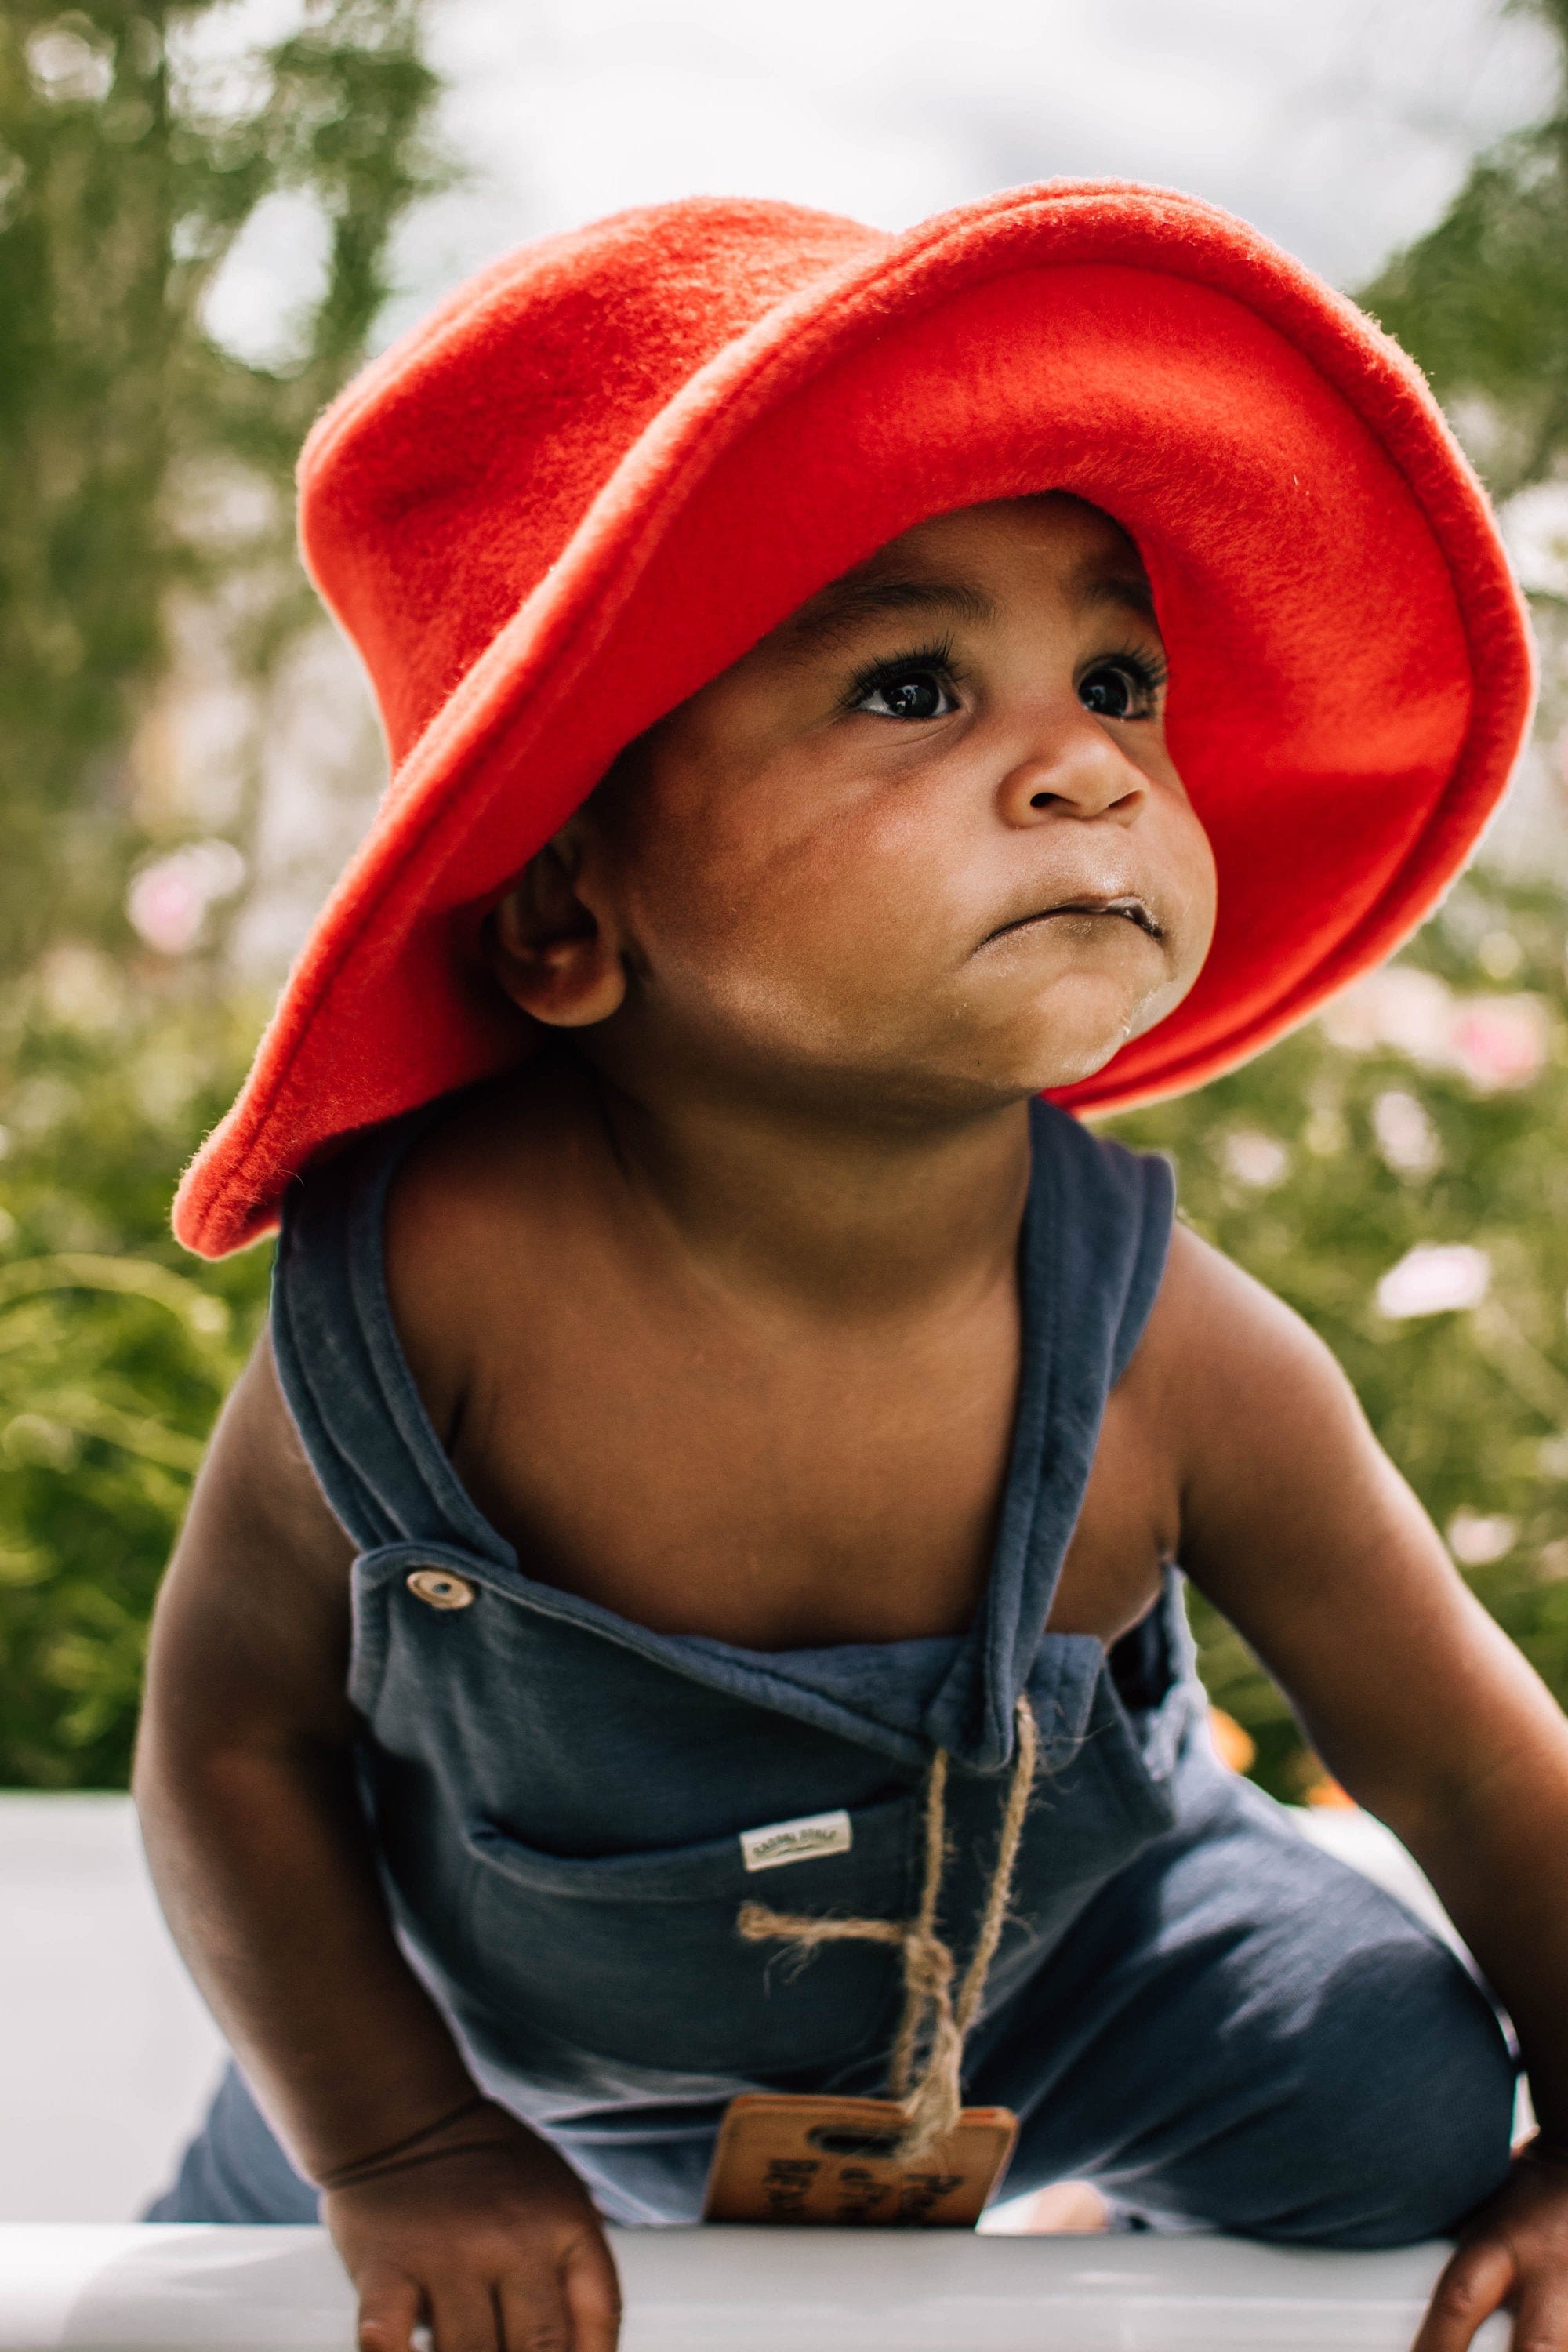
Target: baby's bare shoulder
[[1222, 1354], [252, 1622], [257, 1496], [1257, 1416], [475, 1219]]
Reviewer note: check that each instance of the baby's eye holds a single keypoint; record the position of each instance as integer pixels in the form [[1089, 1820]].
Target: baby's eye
[[1118, 690], [908, 694]]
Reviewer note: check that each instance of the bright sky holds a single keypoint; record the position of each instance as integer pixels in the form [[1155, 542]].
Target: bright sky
[[1340, 127]]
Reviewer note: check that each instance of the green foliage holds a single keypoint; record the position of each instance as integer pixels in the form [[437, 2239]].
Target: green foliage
[[115, 1352], [1319, 1167], [143, 464]]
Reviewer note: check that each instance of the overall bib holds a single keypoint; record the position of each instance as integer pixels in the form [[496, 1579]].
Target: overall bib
[[1189, 2003]]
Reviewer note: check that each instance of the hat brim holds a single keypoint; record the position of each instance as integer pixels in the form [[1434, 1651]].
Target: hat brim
[[1350, 668]]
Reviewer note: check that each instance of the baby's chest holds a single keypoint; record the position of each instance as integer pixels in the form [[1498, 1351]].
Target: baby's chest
[[780, 1496], [771, 1498]]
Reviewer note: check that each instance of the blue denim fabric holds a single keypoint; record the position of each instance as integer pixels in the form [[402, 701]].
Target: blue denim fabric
[[556, 1796]]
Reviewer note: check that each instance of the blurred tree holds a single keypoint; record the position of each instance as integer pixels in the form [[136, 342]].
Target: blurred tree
[[127, 172], [1481, 301], [147, 469]]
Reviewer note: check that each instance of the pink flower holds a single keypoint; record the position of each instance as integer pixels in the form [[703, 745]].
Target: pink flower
[[1490, 1041], [1411, 1011], [1500, 1041], [165, 907], [1435, 1278], [167, 902]]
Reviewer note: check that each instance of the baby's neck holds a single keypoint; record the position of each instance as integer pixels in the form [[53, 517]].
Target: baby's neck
[[859, 1215]]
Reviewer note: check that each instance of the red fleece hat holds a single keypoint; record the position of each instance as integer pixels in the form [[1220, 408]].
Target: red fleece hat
[[614, 460]]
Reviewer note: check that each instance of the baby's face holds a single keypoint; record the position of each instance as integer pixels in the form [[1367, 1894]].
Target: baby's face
[[925, 847]]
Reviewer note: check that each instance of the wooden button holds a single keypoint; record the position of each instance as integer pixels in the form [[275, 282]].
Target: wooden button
[[439, 1588]]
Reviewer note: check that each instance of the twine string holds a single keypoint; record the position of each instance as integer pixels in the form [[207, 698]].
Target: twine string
[[932, 2100]]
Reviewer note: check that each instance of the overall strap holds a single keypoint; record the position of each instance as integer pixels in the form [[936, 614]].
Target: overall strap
[[1093, 1251], [343, 1375]]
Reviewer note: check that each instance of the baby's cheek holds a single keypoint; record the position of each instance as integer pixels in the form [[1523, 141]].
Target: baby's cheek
[[811, 922], [1192, 930], [832, 971], [1194, 862]]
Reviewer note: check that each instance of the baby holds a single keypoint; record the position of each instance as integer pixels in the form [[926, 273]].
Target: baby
[[721, 1398]]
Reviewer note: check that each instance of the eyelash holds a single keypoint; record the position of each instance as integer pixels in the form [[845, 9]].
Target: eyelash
[[937, 658], [1149, 670]]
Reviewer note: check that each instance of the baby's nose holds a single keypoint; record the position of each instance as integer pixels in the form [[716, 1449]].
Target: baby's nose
[[1077, 772]]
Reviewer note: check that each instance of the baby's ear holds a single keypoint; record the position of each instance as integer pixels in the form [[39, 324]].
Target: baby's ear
[[550, 941]]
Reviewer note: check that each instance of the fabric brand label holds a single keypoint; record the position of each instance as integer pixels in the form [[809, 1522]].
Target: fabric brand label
[[783, 1841]]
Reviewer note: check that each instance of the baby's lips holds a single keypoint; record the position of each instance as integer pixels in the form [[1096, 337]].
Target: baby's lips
[[1127, 906]]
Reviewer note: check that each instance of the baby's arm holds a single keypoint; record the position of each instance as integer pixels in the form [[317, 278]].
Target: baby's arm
[[1297, 1526], [244, 1783]]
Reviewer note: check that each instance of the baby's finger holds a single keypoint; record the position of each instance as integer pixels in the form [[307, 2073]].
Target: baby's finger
[[464, 2317], [534, 2313], [1476, 2281], [390, 2306], [1541, 2321], [593, 2296]]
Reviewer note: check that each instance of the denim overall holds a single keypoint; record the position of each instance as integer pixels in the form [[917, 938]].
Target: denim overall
[[558, 1799]]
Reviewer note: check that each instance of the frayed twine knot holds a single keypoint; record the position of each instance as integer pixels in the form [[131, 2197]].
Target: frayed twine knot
[[932, 2100]]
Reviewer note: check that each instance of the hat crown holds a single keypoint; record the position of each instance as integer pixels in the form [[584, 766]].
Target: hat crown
[[438, 491]]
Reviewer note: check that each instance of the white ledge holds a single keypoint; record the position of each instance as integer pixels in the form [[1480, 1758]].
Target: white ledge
[[227, 2290]]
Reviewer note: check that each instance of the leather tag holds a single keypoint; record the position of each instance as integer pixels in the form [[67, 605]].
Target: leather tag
[[828, 2161]]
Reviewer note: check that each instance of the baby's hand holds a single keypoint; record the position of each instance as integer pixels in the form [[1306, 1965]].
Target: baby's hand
[[1513, 2251], [493, 2248]]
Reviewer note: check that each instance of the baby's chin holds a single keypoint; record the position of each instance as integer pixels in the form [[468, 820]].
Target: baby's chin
[[994, 1071], [1073, 1033]]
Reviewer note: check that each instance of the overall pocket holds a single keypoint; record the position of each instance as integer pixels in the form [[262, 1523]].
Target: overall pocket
[[637, 1957]]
